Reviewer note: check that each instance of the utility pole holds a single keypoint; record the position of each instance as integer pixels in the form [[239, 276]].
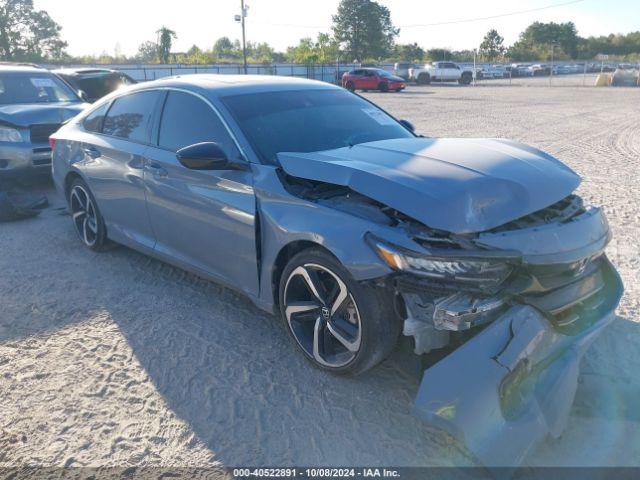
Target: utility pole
[[240, 18], [475, 70], [553, 48]]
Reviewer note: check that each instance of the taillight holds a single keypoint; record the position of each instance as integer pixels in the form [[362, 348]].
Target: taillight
[[52, 142]]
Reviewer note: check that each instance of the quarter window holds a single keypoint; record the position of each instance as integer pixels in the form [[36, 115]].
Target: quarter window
[[130, 116], [94, 121], [187, 120]]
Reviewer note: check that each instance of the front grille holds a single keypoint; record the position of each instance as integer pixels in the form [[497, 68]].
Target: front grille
[[42, 161], [40, 133], [561, 211]]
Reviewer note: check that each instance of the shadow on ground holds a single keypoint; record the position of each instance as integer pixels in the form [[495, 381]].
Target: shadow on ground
[[230, 371]]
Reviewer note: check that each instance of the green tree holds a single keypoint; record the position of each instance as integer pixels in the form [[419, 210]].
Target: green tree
[[28, 34], [323, 50], [409, 52], [305, 52], [492, 46], [439, 54], [622, 46], [224, 48], [147, 52], [165, 40], [260, 53], [539, 39], [195, 56], [363, 28], [327, 47]]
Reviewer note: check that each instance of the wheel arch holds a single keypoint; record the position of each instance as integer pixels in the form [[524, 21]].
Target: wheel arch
[[286, 253], [68, 180]]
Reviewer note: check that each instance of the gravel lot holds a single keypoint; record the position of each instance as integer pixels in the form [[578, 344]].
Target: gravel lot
[[118, 359]]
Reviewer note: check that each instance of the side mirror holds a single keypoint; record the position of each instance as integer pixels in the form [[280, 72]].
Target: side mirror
[[83, 95], [203, 156], [408, 125]]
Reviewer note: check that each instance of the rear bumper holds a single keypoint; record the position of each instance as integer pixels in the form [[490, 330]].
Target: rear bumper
[[513, 384], [24, 158]]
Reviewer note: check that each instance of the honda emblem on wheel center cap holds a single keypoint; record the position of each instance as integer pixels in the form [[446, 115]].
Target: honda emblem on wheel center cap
[[325, 313]]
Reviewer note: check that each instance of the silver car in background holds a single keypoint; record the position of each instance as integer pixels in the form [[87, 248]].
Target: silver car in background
[[327, 211]]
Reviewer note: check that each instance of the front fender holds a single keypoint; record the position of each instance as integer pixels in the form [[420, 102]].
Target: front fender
[[285, 219]]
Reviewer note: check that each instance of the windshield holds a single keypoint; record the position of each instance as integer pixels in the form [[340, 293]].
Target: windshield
[[34, 88], [309, 121]]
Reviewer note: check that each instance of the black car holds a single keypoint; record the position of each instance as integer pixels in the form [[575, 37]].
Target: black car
[[94, 82]]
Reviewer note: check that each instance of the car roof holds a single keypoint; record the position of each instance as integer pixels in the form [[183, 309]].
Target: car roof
[[83, 71], [21, 68], [215, 85]]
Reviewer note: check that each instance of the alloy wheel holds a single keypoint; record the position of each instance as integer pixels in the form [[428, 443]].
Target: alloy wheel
[[322, 315], [84, 215]]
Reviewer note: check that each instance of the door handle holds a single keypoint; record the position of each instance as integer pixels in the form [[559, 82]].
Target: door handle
[[156, 169], [92, 152]]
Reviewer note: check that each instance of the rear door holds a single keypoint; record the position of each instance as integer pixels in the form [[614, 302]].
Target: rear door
[[114, 160], [203, 219]]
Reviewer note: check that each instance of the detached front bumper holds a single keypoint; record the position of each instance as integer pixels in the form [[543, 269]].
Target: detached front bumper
[[511, 385]]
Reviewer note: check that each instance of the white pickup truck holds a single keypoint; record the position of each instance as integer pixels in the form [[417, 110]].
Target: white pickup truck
[[440, 72]]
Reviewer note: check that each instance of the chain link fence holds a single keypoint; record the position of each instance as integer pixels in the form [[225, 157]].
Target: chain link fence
[[554, 74]]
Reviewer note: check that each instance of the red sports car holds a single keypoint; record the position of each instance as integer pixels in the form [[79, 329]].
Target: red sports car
[[372, 79]]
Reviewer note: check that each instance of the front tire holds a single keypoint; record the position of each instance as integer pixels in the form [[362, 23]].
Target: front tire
[[86, 216], [383, 87], [350, 86], [339, 324]]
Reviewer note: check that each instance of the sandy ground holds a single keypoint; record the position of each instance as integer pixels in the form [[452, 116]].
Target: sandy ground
[[118, 359]]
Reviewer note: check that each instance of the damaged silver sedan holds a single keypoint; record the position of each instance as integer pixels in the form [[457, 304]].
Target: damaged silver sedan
[[327, 211]]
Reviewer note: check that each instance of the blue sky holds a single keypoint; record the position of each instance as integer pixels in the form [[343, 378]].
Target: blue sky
[[95, 26]]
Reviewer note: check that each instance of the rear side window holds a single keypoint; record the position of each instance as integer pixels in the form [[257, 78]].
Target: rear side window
[[187, 120], [130, 116], [94, 121], [99, 86]]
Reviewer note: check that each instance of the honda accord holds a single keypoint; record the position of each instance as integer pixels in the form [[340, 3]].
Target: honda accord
[[327, 211]]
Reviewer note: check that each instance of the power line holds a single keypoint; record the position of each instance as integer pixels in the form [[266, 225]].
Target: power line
[[479, 19], [449, 22]]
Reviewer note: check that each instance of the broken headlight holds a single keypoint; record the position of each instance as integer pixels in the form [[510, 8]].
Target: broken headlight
[[460, 267]]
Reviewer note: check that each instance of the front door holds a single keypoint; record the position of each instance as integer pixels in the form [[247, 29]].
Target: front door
[[203, 219]]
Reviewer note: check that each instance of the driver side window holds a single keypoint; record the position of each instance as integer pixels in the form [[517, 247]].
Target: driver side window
[[187, 120]]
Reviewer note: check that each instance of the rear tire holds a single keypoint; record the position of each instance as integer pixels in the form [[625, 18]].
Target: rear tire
[[86, 217], [348, 327], [465, 79], [424, 79]]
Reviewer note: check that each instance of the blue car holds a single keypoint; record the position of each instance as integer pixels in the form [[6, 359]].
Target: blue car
[[327, 211], [34, 103]]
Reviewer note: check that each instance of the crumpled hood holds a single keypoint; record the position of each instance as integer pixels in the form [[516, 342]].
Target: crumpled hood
[[455, 185], [27, 114]]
